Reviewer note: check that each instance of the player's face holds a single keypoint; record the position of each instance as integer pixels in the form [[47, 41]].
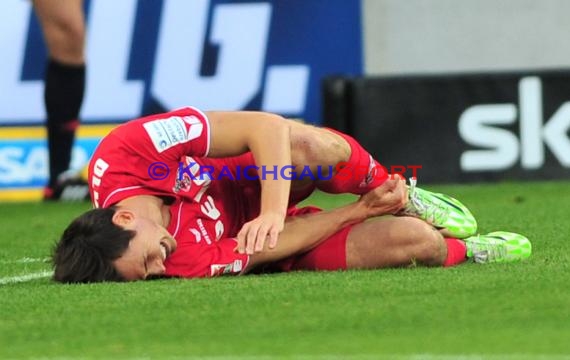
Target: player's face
[[147, 251]]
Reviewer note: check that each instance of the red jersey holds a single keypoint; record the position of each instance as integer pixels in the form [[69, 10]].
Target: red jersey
[[165, 155]]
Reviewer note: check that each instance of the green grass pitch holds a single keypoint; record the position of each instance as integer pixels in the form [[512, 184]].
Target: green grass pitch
[[471, 311]]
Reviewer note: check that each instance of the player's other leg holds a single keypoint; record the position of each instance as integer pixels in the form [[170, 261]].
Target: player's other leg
[[332, 161], [384, 242], [389, 242], [498, 247], [395, 242], [401, 241], [344, 166], [63, 26]]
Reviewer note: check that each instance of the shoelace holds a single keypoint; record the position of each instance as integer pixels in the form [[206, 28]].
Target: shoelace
[[431, 211], [487, 251]]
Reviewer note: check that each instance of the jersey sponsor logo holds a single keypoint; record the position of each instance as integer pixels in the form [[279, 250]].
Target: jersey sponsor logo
[[166, 133], [197, 235], [204, 231]]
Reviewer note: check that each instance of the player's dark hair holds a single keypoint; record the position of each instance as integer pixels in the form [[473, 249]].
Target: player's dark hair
[[88, 247]]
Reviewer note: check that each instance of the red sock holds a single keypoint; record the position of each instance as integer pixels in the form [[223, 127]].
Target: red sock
[[456, 252], [360, 174]]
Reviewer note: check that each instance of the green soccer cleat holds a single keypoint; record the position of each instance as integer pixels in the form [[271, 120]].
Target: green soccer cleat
[[443, 212], [498, 247]]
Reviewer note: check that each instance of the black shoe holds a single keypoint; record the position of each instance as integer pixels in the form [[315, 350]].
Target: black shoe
[[68, 189]]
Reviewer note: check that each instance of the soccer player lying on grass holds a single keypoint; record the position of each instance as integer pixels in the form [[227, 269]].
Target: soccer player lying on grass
[[157, 216]]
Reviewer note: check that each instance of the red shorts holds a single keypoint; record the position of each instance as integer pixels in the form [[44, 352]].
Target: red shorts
[[330, 255]]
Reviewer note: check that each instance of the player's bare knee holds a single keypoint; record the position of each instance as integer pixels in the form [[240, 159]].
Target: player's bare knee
[[316, 146], [430, 244], [435, 251], [304, 144]]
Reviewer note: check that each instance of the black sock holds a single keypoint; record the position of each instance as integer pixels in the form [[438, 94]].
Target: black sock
[[63, 95]]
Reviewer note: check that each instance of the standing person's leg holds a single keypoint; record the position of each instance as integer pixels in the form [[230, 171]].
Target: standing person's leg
[[63, 25]]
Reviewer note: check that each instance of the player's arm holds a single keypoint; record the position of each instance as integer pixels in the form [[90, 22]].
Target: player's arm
[[198, 259], [166, 137], [267, 136], [301, 233], [304, 232]]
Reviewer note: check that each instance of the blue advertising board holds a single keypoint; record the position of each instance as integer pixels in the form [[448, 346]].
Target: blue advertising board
[[148, 56]]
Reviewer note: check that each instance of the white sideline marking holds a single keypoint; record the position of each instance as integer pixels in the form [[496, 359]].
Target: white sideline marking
[[424, 356], [25, 278], [356, 357], [378, 356], [24, 260], [390, 356]]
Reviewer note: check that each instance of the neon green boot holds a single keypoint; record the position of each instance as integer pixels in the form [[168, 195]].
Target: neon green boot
[[441, 211], [498, 247]]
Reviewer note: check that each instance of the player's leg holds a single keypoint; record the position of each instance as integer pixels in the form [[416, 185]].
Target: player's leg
[[402, 241], [389, 242], [309, 149], [379, 243], [395, 242], [63, 25], [324, 152]]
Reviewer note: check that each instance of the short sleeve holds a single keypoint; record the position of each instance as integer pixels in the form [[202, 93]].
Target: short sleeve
[[192, 259]]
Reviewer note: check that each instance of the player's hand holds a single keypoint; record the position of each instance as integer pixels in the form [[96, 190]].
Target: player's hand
[[254, 234], [388, 198]]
